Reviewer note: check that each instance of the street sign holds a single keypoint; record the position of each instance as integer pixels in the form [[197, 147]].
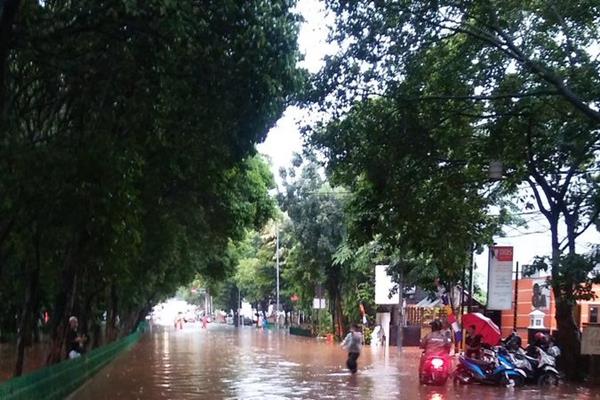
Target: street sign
[[319, 304], [500, 289], [590, 340]]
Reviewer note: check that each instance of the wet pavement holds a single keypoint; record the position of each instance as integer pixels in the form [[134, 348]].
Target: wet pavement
[[223, 362]]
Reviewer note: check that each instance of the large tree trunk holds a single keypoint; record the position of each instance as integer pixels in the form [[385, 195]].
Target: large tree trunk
[[113, 314], [65, 299], [339, 316], [26, 324], [5, 228], [568, 335]]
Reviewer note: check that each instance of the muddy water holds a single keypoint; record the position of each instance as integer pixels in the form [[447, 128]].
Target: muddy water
[[227, 363]]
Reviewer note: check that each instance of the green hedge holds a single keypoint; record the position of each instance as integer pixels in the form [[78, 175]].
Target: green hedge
[[59, 380]]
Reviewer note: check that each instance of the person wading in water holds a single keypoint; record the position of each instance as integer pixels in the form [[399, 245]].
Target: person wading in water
[[353, 344]]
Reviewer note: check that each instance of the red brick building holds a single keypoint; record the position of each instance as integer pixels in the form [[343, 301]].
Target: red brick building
[[536, 308]]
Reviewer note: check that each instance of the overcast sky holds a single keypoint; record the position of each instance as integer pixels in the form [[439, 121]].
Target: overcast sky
[[284, 139]]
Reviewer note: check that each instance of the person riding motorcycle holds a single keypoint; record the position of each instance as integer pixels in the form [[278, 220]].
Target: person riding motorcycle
[[437, 341], [435, 364]]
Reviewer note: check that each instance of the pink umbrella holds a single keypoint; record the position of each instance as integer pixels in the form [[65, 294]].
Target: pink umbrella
[[489, 331]]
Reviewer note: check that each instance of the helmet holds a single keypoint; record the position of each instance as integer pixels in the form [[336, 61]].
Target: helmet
[[540, 337], [436, 325]]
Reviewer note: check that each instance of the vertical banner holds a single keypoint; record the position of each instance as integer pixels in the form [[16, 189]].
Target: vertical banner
[[500, 272], [383, 286]]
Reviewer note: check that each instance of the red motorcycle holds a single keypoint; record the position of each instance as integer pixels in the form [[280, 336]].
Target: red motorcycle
[[434, 368]]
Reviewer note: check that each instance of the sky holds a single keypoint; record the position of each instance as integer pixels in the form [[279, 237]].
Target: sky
[[284, 139]]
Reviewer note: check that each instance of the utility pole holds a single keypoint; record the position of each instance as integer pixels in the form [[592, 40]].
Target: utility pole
[[471, 266], [516, 297], [277, 258], [400, 335]]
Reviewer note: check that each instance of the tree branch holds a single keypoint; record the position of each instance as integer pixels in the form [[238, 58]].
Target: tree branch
[[550, 77], [538, 199], [486, 97], [592, 220]]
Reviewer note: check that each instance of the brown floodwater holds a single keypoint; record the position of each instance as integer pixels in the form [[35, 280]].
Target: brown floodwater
[[223, 362]]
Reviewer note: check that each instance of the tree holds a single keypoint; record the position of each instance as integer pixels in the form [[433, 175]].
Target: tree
[[513, 82], [126, 149], [316, 212], [400, 167]]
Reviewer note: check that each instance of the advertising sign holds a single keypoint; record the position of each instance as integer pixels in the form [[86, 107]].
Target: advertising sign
[[590, 340], [500, 290], [540, 298], [383, 285]]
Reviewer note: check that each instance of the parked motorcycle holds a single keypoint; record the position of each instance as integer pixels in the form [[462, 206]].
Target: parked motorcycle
[[539, 365], [495, 369]]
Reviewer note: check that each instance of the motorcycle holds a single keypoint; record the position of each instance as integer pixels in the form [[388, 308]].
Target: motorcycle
[[434, 368], [540, 366], [495, 369]]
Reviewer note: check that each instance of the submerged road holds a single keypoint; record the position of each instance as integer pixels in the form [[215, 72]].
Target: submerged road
[[223, 362]]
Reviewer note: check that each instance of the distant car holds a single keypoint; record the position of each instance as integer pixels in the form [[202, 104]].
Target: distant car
[[229, 319], [248, 321]]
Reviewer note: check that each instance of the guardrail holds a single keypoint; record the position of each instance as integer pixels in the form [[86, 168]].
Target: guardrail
[[59, 380], [294, 330]]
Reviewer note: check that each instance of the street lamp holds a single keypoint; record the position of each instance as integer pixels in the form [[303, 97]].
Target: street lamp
[[496, 170]]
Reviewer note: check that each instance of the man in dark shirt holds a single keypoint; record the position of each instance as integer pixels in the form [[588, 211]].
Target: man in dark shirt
[[74, 340], [473, 343]]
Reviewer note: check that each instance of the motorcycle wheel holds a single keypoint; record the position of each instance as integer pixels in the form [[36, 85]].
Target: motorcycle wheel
[[548, 379], [440, 381], [461, 377], [515, 381]]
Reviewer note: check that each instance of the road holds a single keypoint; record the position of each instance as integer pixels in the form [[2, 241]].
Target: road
[[223, 362]]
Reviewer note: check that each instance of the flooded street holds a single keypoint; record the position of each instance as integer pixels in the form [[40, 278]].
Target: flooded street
[[223, 362]]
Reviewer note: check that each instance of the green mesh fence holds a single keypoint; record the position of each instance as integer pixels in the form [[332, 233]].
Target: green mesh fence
[[59, 380]]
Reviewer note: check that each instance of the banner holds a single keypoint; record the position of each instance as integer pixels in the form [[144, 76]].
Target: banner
[[383, 286], [500, 274]]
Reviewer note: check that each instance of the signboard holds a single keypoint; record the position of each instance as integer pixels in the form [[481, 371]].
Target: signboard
[[500, 273], [319, 304], [590, 340], [383, 286]]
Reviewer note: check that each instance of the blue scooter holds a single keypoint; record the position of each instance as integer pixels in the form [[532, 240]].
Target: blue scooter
[[497, 370]]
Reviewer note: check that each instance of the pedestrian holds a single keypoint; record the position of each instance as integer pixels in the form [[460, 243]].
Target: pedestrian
[[353, 344], [204, 321], [75, 341]]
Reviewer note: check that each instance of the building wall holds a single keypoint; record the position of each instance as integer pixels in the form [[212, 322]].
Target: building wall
[[525, 307]]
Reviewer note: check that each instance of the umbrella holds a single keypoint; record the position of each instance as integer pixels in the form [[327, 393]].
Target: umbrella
[[489, 331]]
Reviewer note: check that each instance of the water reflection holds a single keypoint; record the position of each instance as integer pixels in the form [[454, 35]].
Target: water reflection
[[227, 363]]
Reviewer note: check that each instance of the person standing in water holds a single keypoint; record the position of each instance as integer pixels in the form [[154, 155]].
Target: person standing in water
[[353, 344]]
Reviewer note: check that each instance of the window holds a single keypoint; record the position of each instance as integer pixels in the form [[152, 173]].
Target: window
[[594, 317]]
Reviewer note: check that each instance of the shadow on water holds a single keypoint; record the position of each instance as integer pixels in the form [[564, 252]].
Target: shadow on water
[[227, 363]]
